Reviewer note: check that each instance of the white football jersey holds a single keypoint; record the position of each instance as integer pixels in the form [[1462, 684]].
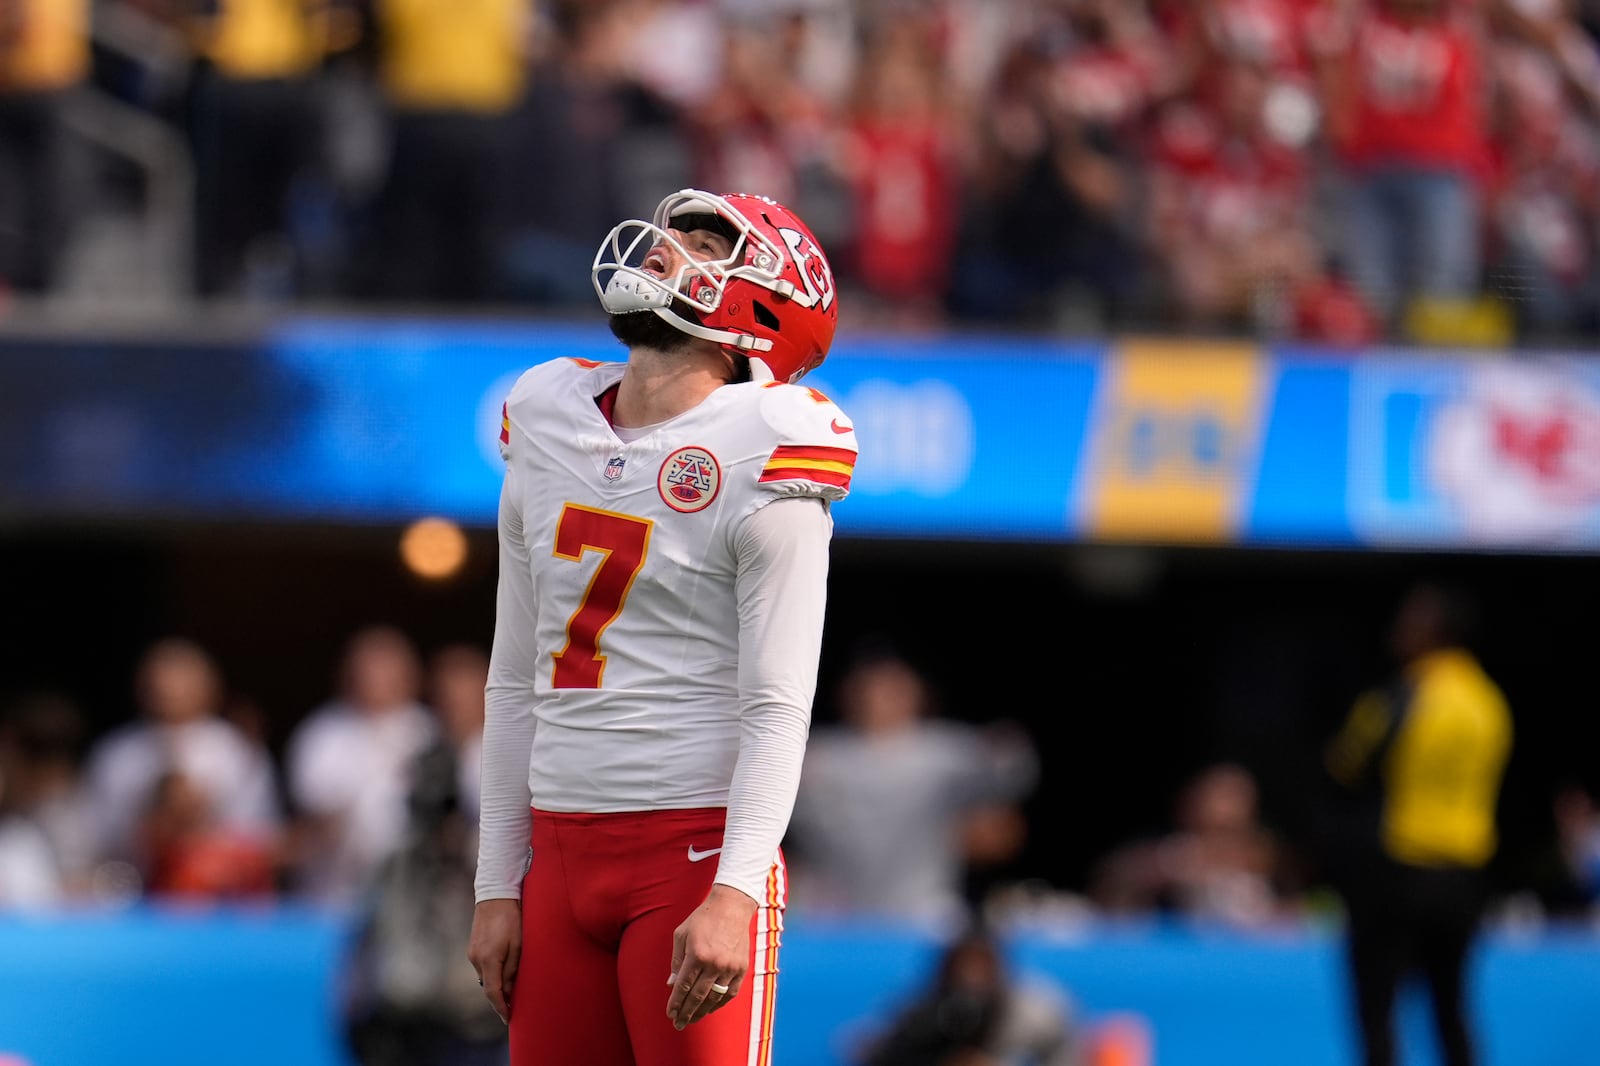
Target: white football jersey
[[630, 548]]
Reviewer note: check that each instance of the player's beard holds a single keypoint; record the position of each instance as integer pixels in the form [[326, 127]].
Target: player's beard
[[646, 329]]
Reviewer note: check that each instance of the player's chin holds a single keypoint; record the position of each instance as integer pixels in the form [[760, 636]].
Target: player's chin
[[646, 329]]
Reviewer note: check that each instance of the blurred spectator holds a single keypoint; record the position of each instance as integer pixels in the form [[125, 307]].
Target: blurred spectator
[[41, 784], [896, 807], [750, 132], [674, 48], [349, 767], [188, 854], [256, 135], [1048, 235], [1423, 759], [31, 871], [903, 157], [589, 145], [1219, 865], [179, 692], [450, 75], [1544, 188], [29, 878], [977, 1011], [1577, 818], [1554, 28], [771, 127], [410, 997], [1274, 36], [1235, 184], [457, 676], [44, 61], [1406, 87], [1231, 209]]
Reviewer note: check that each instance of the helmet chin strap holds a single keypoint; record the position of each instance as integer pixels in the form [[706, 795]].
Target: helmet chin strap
[[742, 341]]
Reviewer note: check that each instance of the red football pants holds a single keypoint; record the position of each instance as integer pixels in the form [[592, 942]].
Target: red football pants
[[600, 902]]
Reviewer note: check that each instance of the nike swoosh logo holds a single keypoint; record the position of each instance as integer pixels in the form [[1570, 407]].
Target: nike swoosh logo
[[837, 428], [696, 856]]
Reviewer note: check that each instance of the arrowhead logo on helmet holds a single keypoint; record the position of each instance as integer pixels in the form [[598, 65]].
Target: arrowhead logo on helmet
[[772, 299]]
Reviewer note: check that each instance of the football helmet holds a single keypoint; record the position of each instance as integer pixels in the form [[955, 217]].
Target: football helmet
[[772, 299]]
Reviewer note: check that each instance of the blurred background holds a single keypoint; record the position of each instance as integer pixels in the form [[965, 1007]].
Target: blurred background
[[1191, 345]]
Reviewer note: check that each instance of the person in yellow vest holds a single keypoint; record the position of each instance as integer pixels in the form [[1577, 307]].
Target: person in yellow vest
[[450, 73], [256, 133], [1428, 752], [44, 58]]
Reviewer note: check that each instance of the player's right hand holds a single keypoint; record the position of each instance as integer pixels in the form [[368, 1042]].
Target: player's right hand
[[496, 950]]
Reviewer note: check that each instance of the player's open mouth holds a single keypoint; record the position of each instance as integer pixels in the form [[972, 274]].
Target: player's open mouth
[[655, 262]]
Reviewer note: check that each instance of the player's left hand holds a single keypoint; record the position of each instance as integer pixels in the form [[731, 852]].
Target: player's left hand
[[711, 947]]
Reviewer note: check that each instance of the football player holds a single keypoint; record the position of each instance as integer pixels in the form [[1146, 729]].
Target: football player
[[664, 532]]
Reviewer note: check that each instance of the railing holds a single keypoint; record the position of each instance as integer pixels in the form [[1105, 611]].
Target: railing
[[116, 265]]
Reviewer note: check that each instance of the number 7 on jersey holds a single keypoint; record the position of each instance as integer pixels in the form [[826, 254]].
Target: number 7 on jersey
[[624, 541]]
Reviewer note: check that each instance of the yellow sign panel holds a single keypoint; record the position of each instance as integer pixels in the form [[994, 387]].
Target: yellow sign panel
[[1175, 441]]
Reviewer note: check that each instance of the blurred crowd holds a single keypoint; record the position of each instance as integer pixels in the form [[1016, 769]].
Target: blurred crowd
[[906, 813], [187, 800], [1327, 170], [370, 806]]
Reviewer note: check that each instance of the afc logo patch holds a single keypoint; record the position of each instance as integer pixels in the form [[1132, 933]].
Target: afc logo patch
[[689, 480]]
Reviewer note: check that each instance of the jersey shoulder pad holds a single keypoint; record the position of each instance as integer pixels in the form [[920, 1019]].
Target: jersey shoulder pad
[[815, 443], [519, 389], [536, 383], [532, 381]]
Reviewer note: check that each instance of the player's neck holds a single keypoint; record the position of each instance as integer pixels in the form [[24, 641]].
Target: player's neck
[[659, 385]]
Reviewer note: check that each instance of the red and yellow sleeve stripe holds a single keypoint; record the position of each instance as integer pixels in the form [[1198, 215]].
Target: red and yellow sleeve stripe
[[768, 939], [808, 462]]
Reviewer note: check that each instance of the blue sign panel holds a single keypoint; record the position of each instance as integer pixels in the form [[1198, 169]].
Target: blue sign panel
[[954, 443], [1298, 496], [961, 437]]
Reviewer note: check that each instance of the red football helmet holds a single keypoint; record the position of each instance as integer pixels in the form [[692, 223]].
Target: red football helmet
[[772, 299]]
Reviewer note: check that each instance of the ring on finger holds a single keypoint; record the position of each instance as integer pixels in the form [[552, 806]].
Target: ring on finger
[[719, 989]]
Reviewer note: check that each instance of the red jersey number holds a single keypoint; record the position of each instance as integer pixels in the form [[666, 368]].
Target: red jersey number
[[624, 541]]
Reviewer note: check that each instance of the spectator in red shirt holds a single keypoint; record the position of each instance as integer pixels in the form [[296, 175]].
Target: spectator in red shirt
[[1406, 90], [188, 853], [901, 156], [1229, 206]]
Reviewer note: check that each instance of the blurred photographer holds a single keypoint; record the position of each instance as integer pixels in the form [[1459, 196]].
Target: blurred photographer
[[976, 1012], [408, 1000]]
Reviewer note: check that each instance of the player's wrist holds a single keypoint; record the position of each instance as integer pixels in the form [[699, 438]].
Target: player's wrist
[[726, 895]]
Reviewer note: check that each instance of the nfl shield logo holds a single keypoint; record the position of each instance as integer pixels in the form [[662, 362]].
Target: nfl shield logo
[[614, 467]]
